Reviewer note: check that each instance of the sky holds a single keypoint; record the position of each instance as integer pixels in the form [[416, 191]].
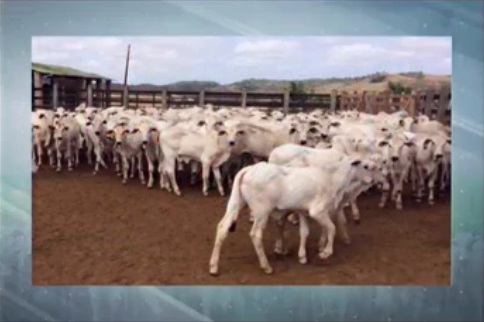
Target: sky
[[163, 60]]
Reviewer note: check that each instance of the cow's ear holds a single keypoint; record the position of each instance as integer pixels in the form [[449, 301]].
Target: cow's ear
[[356, 163], [382, 143], [427, 142]]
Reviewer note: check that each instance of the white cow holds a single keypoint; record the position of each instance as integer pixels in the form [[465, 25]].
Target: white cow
[[272, 189], [67, 138], [210, 147], [128, 143], [42, 132]]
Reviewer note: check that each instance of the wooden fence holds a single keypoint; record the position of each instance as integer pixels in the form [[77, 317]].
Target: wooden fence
[[433, 103]]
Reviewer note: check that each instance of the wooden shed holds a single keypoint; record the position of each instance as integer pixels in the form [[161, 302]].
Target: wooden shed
[[54, 86]]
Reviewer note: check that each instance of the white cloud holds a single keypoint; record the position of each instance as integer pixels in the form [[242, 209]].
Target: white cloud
[[427, 47], [259, 52], [265, 46], [361, 53], [107, 55], [419, 43]]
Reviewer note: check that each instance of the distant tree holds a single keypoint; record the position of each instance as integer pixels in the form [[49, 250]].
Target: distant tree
[[297, 88], [377, 78], [398, 89]]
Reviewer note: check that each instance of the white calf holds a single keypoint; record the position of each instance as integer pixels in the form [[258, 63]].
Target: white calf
[[271, 189]]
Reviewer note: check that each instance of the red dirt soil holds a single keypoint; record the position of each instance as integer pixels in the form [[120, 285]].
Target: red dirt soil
[[94, 230]]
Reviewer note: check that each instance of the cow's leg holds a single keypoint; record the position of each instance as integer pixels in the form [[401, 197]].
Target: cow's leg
[[151, 170], [223, 228], [39, 154], [421, 182], [59, 160], [76, 146], [77, 153], [341, 230], [89, 150], [384, 194], [125, 161], [205, 177], [303, 235], [218, 180], [194, 172], [179, 164], [117, 163], [431, 186], [170, 170], [280, 246], [51, 153], [256, 234], [325, 221], [355, 211], [414, 175], [133, 164], [99, 158], [164, 184], [141, 174]]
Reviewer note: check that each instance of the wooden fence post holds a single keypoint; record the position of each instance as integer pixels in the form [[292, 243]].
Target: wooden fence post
[[201, 98], [387, 97], [429, 102], [334, 101], [362, 102], [164, 99], [126, 97], [244, 98], [108, 93], [286, 102], [443, 104], [369, 102], [97, 100], [33, 87], [412, 104], [55, 92], [89, 92]]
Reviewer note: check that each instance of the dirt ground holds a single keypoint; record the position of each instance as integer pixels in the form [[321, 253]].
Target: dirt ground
[[93, 230]]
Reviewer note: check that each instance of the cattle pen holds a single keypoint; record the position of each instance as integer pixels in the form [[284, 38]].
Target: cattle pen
[[93, 230]]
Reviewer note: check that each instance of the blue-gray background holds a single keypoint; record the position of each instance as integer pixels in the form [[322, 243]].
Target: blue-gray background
[[463, 20]]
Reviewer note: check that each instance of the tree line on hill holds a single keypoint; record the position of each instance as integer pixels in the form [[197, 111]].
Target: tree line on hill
[[295, 86]]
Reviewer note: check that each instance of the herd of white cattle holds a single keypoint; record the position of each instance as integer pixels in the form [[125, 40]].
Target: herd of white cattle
[[303, 165]]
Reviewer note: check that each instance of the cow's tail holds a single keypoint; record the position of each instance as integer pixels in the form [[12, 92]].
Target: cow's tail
[[236, 201]]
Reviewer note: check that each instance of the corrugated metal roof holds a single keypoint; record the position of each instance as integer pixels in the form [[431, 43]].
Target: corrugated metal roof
[[64, 71]]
